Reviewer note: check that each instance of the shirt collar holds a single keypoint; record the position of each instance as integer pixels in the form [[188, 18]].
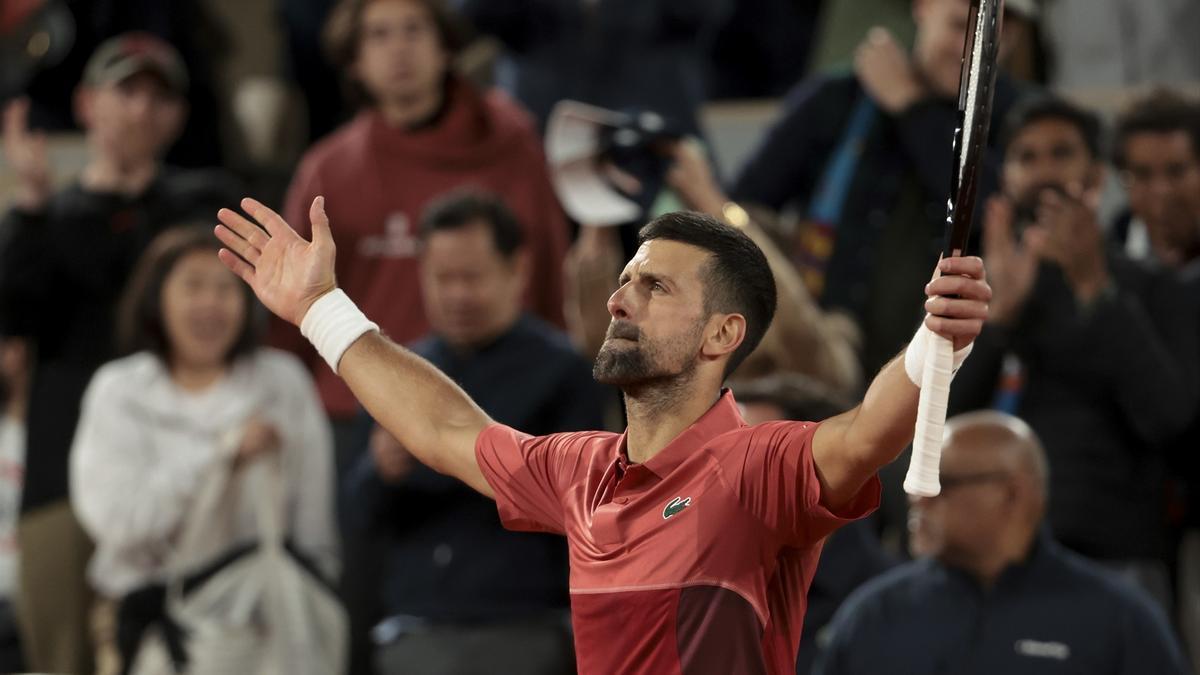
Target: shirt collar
[[723, 416]]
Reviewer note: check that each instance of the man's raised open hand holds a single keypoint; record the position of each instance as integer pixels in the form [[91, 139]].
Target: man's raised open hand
[[287, 273]]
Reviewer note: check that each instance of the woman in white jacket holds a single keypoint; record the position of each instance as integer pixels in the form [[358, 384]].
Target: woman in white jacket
[[156, 425]]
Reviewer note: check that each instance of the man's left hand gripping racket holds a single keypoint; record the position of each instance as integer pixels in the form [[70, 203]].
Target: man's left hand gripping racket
[[970, 138]]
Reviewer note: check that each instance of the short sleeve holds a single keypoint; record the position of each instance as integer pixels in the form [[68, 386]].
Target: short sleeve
[[777, 482], [529, 475]]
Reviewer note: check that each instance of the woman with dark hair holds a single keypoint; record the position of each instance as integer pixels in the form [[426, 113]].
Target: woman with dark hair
[[195, 396]]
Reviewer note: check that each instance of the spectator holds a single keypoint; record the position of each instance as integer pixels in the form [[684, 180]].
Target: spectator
[[187, 25], [851, 555], [854, 152], [564, 49], [462, 594], [63, 259], [423, 132], [803, 338], [14, 394], [993, 592], [196, 396], [1108, 359], [1157, 150]]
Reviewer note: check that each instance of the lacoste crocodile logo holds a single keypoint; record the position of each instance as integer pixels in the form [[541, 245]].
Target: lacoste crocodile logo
[[675, 506]]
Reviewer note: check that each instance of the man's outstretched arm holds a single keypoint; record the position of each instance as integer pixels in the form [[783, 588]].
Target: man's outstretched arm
[[431, 416], [850, 448]]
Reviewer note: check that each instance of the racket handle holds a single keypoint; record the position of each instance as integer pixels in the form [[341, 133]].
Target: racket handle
[[922, 478]]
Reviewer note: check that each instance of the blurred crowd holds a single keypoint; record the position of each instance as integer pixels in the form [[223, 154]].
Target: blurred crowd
[[185, 486]]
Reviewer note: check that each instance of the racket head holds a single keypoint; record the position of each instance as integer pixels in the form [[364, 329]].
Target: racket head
[[976, 89]]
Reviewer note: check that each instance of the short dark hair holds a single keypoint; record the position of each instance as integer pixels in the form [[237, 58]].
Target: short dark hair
[[1043, 107], [140, 325], [342, 36], [799, 396], [1162, 111], [462, 208], [738, 279]]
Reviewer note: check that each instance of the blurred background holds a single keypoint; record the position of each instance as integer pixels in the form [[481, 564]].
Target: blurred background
[[486, 165]]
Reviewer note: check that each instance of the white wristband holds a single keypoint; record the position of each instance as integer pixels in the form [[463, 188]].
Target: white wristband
[[332, 324], [914, 356]]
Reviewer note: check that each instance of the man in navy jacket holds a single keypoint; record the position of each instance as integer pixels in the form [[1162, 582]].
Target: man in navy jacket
[[993, 593]]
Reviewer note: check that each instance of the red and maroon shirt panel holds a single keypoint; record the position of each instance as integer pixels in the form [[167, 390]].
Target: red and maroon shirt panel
[[696, 561]]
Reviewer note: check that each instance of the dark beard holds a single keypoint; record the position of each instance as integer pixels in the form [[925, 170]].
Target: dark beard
[[639, 364], [622, 368]]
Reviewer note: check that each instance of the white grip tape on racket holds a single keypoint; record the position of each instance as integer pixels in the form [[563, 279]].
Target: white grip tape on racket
[[922, 478]]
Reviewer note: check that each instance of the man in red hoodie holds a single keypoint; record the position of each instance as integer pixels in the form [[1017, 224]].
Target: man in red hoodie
[[422, 131]]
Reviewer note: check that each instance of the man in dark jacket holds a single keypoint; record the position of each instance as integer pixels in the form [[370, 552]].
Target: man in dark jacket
[[64, 258], [994, 593], [867, 159], [461, 594], [1101, 351]]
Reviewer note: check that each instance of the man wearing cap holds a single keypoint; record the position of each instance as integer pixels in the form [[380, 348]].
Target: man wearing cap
[[64, 257]]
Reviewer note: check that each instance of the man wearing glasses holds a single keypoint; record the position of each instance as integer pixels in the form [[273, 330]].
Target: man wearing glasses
[[1099, 352], [992, 591]]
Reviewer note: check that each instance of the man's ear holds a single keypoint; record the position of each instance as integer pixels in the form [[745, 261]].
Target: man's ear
[[725, 334]]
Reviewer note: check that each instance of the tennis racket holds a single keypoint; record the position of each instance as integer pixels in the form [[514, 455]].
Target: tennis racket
[[970, 138]]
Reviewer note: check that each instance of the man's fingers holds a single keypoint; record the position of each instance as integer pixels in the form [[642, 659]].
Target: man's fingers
[[967, 266], [244, 228], [963, 287], [954, 328], [237, 244], [237, 265], [955, 308], [271, 221], [320, 222]]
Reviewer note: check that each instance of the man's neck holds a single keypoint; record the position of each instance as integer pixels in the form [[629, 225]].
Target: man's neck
[[1010, 550], [413, 112], [498, 331], [658, 413], [108, 175]]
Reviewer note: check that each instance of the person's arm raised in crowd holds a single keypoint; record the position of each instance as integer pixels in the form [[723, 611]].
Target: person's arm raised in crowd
[[1146, 356], [26, 155], [887, 74], [407, 395], [782, 168], [25, 251], [809, 340], [850, 448]]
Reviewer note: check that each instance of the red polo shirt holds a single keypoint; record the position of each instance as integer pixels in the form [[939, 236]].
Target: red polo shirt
[[696, 561]]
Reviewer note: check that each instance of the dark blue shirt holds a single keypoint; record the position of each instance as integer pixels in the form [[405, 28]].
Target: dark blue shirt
[[450, 559], [1055, 613]]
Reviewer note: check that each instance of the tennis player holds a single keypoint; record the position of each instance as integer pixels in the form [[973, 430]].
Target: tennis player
[[693, 537]]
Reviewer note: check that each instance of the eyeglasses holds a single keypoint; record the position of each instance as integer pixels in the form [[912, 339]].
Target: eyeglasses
[[951, 481]]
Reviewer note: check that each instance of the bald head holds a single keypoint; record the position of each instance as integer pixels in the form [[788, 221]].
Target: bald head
[[993, 497], [1002, 439]]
